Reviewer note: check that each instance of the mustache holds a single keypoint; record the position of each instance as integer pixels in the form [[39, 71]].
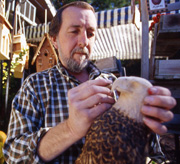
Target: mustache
[[80, 50]]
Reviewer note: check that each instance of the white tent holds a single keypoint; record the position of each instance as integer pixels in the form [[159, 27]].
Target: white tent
[[117, 35]]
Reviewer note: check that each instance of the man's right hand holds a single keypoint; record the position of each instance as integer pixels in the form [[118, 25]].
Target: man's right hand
[[86, 102]]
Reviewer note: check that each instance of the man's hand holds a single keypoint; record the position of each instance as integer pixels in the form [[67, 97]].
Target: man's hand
[[157, 107], [86, 102]]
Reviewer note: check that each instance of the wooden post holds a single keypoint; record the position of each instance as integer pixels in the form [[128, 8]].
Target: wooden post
[[45, 20], [153, 52], [9, 63], [145, 40]]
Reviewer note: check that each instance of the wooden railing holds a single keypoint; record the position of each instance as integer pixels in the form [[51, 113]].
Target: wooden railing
[[27, 11]]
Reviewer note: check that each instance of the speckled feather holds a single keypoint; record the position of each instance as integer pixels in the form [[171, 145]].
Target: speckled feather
[[110, 140], [114, 137]]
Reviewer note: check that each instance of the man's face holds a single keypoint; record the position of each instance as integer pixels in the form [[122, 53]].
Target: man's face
[[76, 38]]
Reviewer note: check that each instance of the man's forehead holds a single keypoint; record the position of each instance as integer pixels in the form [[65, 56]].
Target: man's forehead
[[71, 8], [74, 14]]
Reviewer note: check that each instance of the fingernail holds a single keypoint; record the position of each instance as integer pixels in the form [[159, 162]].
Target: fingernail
[[109, 81], [148, 100], [153, 90], [164, 129]]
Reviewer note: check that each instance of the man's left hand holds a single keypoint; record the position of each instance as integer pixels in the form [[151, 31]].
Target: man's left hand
[[156, 108]]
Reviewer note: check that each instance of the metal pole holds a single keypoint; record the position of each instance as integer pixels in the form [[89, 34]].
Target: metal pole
[[145, 40], [9, 62]]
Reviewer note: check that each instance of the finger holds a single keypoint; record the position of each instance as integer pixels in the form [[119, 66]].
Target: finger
[[166, 102], [96, 100], [97, 82], [157, 90], [157, 113], [155, 126], [99, 109], [90, 88]]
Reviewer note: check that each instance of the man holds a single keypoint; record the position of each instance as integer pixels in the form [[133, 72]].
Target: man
[[54, 109]]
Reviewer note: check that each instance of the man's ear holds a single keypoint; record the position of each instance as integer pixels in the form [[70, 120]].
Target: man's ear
[[54, 41]]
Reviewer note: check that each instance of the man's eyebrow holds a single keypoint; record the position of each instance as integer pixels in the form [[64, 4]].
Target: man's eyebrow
[[92, 28], [79, 26], [74, 26]]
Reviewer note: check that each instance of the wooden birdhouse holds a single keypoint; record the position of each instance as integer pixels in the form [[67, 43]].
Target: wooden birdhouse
[[45, 56], [19, 43], [5, 38], [21, 61], [2, 7]]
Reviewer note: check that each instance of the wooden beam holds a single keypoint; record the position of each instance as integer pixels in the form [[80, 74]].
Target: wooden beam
[[173, 6], [153, 53], [167, 69], [145, 40]]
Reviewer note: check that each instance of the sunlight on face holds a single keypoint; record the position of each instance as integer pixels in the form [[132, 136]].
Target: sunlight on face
[[76, 38], [72, 64]]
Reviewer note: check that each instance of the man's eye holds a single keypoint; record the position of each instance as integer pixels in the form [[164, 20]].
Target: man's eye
[[74, 32], [90, 34]]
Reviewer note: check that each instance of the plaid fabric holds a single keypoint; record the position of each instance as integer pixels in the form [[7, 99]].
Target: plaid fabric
[[40, 104]]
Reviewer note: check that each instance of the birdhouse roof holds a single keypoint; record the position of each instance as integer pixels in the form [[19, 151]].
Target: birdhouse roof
[[5, 21], [46, 36]]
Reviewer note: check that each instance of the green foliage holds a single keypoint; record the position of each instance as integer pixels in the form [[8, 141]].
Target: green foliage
[[109, 4], [59, 3], [97, 4], [14, 63]]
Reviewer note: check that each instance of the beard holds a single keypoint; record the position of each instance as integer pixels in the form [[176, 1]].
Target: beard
[[71, 64], [75, 67]]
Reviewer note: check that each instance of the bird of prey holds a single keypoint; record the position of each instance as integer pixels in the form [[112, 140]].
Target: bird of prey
[[119, 136]]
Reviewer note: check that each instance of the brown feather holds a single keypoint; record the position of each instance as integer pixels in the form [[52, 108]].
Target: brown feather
[[115, 137]]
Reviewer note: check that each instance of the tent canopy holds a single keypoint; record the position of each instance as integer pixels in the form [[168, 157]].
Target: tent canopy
[[117, 35]]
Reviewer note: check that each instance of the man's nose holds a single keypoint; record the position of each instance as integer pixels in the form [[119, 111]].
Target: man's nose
[[83, 39]]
